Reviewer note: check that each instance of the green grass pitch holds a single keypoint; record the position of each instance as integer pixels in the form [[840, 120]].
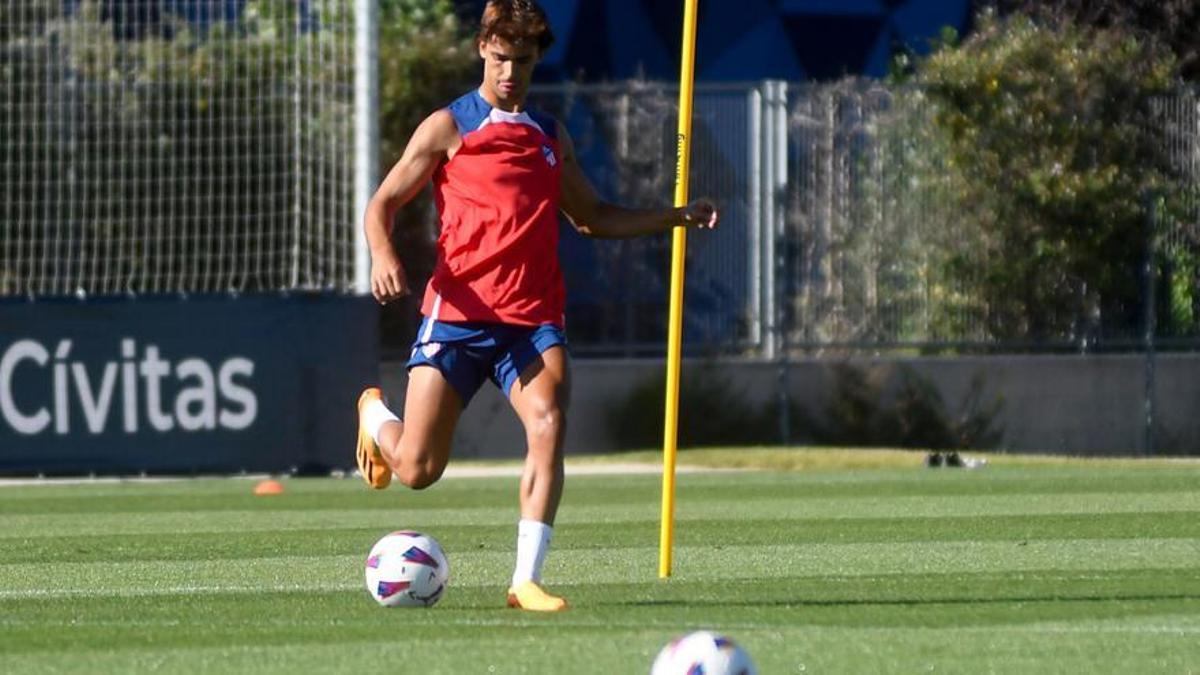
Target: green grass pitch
[[1010, 569]]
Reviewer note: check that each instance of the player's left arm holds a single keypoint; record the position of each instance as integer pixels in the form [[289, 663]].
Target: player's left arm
[[594, 217]]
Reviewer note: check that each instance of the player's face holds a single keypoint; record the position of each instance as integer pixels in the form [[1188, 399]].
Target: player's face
[[507, 70]]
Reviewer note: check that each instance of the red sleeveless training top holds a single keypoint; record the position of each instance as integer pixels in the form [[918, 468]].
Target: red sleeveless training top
[[497, 201]]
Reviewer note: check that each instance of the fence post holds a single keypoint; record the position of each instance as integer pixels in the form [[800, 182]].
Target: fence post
[[366, 131], [766, 225], [759, 334], [776, 218]]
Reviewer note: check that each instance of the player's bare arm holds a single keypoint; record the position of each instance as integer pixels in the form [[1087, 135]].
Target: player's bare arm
[[594, 217], [435, 140]]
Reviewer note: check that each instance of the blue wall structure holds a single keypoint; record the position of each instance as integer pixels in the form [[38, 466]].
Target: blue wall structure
[[179, 386], [738, 39], [621, 39]]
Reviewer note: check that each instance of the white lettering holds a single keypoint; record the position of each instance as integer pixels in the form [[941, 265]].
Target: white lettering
[[20, 422], [153, 369], [203, 395], [129, 385], [243, 396], [206, 398], [95, 406], [62, 414]]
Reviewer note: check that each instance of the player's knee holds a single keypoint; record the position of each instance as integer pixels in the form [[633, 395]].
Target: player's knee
[[420, 475], [420, 467], [547, 422]]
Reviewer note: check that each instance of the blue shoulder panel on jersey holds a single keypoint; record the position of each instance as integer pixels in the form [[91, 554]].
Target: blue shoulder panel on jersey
[[469, 111]]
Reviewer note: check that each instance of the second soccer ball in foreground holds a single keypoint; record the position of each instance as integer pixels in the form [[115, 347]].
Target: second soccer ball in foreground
[[703, 652]]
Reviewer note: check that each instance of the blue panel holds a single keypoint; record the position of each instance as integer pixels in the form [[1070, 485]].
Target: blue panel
[[634, 49], [197, 386], [875, 7], [725, 24], [879, 61], [833, 46], [588, 51], [666, 19], [616, 39], [919, 20], [762, 52], [562, 22]]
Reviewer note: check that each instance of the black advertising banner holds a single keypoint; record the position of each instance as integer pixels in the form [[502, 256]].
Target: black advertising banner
[[202, 385]]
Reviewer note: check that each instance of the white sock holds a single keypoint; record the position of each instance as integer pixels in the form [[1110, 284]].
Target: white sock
[[375, 414], [533, 541]]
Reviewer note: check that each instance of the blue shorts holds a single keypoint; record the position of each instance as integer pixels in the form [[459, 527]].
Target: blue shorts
[[467, 353]]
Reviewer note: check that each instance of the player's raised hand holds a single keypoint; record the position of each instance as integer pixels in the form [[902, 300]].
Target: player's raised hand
[[388, 281], [701, 213]]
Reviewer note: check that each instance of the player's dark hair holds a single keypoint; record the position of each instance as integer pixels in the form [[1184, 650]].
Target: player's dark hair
[[519, 22]]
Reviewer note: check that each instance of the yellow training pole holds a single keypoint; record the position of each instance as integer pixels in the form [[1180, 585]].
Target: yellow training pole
[[678, 249]]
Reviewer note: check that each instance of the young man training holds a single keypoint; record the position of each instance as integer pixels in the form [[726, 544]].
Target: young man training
[[494, 306]]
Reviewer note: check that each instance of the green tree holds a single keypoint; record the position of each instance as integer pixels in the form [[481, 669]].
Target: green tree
[[1174, 24], [1048, 143]]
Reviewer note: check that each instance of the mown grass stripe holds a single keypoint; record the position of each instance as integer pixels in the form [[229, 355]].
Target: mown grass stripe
[[620, 565], [225, 495], [796, 507], [790, 649], [235, 545]]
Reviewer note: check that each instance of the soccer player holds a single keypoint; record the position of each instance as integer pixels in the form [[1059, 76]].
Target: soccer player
[[493, 308]]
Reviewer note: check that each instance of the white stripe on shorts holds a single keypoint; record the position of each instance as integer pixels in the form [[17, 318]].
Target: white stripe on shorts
[[437, 308]]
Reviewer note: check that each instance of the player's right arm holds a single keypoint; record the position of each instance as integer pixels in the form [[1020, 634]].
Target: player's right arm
[[435, 140]]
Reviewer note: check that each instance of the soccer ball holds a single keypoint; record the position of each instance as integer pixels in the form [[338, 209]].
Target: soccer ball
[[703, 652], [407, 569]]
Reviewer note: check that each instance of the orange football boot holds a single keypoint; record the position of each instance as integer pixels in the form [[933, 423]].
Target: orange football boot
[[529, 596], [371, 465]]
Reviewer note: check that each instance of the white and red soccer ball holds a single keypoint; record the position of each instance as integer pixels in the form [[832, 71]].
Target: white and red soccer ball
[[703, 652], [407, 569]]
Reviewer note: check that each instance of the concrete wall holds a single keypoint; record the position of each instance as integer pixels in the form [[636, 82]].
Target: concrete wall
[[1060, 404]]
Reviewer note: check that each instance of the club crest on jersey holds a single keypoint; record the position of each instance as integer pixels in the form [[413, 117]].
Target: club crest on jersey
[[549, 153]]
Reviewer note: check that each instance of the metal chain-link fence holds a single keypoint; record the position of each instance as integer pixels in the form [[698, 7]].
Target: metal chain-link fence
[[145, 149], [844, 227]]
